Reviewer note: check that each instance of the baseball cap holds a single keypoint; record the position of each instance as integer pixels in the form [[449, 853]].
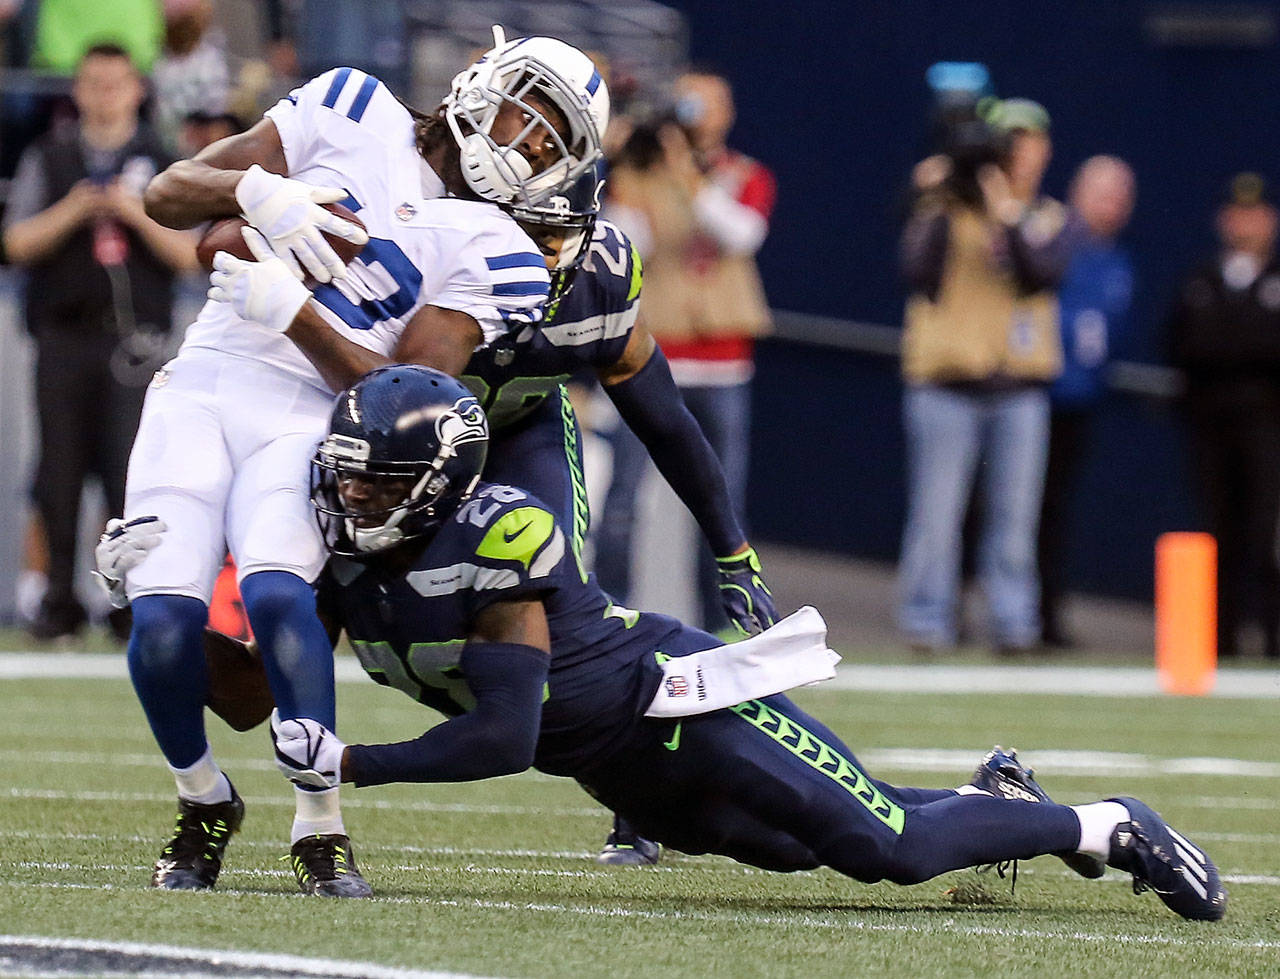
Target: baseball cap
[[1247, 189], [1011, 115]]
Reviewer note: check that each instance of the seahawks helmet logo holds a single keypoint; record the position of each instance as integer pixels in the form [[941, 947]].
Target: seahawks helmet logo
[[464, 422]]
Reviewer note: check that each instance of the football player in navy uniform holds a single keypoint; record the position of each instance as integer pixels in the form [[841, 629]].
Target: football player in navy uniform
[[590, 323], [467, 596]]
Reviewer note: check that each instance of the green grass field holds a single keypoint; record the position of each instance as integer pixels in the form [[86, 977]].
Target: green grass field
[[496, 878]]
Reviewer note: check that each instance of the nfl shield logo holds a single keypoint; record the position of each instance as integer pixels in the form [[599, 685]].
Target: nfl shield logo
[[677, 686], [503, 356], [406, 211]]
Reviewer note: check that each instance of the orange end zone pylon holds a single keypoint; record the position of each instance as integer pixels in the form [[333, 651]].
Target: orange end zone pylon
[[1186, 613], [226, 611]]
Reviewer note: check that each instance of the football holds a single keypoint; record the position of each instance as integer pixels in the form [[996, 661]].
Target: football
[[224, 236], [238, 691]]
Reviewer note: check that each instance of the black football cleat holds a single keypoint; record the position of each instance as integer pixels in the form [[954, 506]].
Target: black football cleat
[[326, 867], [1163, 860], [626, 848], [193, 858], [1001, 774]]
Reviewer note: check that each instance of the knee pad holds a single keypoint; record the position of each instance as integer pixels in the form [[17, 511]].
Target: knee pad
[[166, 628], [271, 596]]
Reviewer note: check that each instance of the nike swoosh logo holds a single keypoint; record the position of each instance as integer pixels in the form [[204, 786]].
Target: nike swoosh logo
[[508, 538]]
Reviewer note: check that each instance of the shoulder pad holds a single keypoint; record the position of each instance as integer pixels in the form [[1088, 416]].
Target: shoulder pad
[[518, 535], [614, 265], [486, 260]]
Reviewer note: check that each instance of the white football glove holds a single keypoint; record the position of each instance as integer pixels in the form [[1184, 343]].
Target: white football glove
[[121, 548], [264, 291], [307, 752], [289, 215]]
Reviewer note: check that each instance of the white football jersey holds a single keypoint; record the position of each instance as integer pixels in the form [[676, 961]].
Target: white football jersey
[[345, 129]]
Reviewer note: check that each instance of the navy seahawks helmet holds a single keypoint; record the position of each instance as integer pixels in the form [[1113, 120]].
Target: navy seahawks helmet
[[405, 448], [569, 217]]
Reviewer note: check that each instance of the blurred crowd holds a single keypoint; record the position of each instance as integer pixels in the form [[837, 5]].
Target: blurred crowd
[[1016, 300], [111, 93]]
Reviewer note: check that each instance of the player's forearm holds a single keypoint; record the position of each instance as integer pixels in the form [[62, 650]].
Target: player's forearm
[[499, 736], [189, 192], [340, 361]]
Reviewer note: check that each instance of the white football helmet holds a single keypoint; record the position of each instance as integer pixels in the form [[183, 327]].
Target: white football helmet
[[556, 72]]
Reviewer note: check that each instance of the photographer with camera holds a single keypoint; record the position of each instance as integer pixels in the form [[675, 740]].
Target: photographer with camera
[[982, 252], [698, 212]]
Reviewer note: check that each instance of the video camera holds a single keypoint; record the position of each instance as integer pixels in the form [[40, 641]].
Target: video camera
[[643, 147], [961, 130]]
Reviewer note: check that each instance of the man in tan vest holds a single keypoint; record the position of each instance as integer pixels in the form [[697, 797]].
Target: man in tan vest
[[698, 212], [980, 347]]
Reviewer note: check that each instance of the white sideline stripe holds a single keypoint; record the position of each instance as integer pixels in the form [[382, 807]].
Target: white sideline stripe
[[1072, 681], [1097, 681], [111, 666], [200, 958]]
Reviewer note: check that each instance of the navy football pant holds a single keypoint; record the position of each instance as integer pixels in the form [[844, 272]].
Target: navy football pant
[[770, 786]]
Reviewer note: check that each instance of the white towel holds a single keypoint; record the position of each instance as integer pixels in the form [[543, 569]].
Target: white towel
[[790, 654]]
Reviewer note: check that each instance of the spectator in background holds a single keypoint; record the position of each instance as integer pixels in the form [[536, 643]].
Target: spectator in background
[[191, 74], [983, 252], [1225, 335], [97, 301], [199, 129], [1093, 301], [698, 212]]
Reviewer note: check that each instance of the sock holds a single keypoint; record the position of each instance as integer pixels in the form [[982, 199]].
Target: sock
[[1098, 821], [167, 667], [202, 782], [296, 652], [317, 813]]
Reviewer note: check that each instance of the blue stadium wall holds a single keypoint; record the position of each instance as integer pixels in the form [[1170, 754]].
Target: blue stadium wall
[[832, 96]]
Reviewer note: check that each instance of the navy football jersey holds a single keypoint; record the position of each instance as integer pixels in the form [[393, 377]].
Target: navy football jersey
[[408, 629], [589, 327]]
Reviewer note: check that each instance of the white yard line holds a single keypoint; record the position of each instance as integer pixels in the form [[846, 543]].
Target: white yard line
[[200, 962], [1097, 681]]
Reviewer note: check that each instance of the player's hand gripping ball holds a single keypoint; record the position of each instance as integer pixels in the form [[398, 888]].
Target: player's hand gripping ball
[[226, 236]]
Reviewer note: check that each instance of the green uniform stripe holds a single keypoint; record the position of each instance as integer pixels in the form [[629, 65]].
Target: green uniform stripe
[[573, 453], [823, 758], [637, 275]]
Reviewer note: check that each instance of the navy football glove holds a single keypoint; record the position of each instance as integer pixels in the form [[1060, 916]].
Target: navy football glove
[[746, 598]]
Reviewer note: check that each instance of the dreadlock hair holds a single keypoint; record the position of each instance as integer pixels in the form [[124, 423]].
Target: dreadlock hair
[[430, 132]]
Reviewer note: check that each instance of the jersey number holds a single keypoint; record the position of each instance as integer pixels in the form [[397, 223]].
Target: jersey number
[[428, 666], [390, 281], [514, 399]]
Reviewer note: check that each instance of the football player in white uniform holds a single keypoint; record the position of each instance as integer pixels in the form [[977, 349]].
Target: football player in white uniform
[[221, 456]]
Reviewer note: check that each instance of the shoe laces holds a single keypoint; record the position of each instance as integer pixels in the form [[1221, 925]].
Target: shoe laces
[[320, 858], [196, 838], [1003, 868], [1139, 837]]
